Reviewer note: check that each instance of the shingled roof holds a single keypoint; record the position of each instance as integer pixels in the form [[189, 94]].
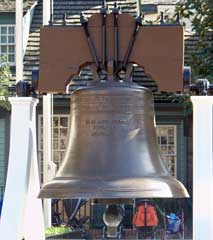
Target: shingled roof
[[73, 9], [10, 5]]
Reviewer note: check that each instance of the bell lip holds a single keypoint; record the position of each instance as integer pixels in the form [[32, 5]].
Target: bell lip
[[164, 187]]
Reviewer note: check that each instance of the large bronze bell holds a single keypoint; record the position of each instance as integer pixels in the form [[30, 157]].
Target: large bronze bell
[[112, 150]]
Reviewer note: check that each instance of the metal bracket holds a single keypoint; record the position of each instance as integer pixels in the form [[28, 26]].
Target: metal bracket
[[129, 71], [201, 87], [138, 23], [84, 24], [23, 89], [95, 74], [186, 77], [103, 12], [115, 12]]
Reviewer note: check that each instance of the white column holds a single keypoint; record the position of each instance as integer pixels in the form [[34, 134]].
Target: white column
[[46, 12], [22, 213], [138, 7], [47, 156], [202, 167], [48, 166], [19, 40]]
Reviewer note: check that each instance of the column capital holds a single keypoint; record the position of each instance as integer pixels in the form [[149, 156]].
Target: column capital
[[23, 101], [202, 99]]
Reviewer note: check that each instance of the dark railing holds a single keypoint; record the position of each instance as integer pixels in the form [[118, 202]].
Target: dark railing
[[1, 192], [84, 211]]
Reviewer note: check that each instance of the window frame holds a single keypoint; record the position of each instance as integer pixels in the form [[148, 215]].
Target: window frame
[[40, 136], [175, 144], [8, 44]]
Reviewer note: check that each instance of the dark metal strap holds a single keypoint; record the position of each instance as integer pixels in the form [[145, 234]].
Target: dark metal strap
[[116, 47], [104, 43], [84, 23], [138, 21]]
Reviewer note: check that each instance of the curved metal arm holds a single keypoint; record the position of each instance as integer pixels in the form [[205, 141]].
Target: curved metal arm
[[138, 21], [84, 24]]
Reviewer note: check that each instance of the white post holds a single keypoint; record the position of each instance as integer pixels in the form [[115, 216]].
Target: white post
[[19, 40], [138, 7], [46, 154], [46, 12], [202, 167], [49, 168], [22, 213]]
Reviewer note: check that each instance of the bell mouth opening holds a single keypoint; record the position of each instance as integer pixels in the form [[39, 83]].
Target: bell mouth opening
[[164, 187]]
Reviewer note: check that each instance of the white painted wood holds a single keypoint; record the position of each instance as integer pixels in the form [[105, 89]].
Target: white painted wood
[[47, 154], [34, 229], [138, 7], [49, 168], [19, 40], [22, 214], [202, 167], [27, 20], [46, 12]]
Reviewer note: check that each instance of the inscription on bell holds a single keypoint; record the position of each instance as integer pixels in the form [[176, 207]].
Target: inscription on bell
[[115, 104], [106, 127], [119, 115]]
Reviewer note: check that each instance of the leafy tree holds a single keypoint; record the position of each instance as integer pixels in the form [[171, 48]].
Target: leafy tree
[[4, 82], [200, 14]]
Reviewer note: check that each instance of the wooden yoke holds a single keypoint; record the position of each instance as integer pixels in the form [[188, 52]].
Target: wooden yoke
[[64, 50]]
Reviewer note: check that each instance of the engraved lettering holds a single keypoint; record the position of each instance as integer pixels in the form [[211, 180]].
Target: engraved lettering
[[118, 114]]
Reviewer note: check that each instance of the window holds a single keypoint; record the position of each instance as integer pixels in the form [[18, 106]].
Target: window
[[167, 142], [59, 139], [7, 42]]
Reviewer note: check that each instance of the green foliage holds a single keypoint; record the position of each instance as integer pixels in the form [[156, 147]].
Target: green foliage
[[56, 230], [4, 83], [200, 14], [184, 99]]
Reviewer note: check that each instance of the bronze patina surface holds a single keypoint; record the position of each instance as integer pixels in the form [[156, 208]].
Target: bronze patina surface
[[112, 150]]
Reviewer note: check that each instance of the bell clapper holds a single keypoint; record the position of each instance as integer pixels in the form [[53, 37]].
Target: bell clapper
[[112, 218]]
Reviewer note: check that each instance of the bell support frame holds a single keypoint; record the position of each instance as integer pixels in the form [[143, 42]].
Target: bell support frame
[[64, 51]]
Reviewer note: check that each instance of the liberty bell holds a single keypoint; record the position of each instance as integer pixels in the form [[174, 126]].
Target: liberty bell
[[112, 150]]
